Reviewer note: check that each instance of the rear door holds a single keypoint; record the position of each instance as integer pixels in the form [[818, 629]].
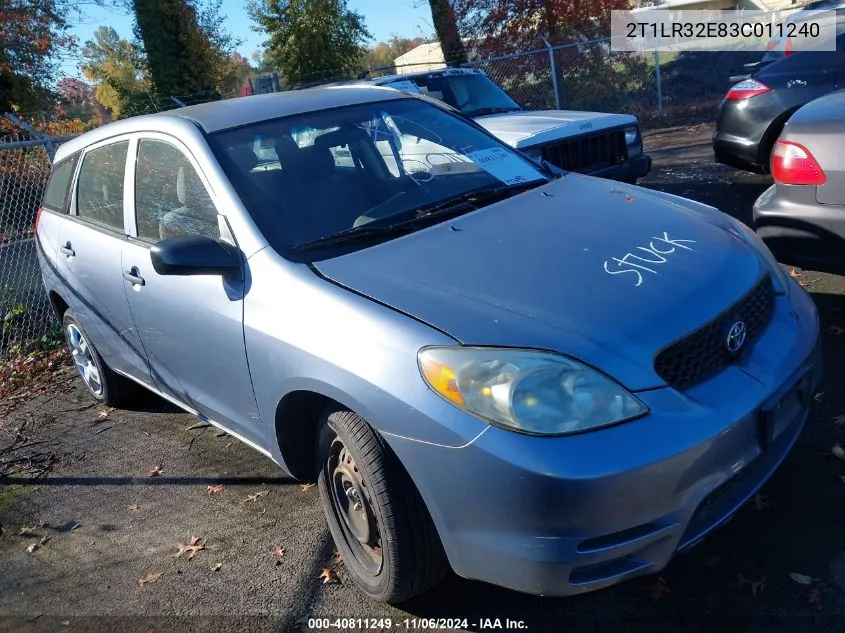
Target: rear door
[[191, 326], [88, 258]]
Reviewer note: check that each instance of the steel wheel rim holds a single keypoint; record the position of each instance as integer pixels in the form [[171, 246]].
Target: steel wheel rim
[[83, 358], [353, 506]]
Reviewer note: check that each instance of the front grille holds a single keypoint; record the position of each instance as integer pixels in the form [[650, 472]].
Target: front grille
[[587, 153], [704, 353]]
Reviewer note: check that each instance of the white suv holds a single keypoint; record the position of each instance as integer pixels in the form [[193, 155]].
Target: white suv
[[594, 143]]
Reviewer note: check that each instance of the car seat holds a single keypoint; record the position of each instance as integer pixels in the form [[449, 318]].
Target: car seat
[[197, 215]]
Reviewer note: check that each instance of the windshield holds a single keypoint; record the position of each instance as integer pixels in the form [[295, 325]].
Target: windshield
[[314, 175], [471, 92]]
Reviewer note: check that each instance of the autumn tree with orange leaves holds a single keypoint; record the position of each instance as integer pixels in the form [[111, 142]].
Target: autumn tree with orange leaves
[[496, 25], [32, 33]]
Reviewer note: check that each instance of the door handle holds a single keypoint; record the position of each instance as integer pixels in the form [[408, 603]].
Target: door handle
[[132, 276], [67, 250]]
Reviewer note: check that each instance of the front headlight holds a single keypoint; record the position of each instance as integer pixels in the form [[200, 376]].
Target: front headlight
[[752, 239], [633, 140], [527, 391]]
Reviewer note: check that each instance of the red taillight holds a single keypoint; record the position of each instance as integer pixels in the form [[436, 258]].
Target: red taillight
[[38, 217], [771, 44], [746, 89], [787, 50], [793, 164]]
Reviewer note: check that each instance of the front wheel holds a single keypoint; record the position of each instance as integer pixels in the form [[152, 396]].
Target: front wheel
[[376, 516]]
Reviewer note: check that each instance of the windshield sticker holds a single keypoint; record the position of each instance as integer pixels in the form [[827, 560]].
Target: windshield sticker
[[407, 85], [504, 165], [655, 252]]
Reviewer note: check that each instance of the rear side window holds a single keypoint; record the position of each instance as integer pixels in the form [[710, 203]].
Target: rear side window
[[99, 192], [58, 187]]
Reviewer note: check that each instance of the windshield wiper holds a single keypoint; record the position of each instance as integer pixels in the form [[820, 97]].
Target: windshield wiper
[[462, 203], [485, 111]]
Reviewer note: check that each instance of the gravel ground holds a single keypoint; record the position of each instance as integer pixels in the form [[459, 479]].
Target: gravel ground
[[110, 524]]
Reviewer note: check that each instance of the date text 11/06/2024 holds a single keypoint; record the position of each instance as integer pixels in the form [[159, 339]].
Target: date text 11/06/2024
[[420, 624]]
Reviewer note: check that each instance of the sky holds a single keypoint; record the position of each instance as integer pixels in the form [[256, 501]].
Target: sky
[[402, 18]]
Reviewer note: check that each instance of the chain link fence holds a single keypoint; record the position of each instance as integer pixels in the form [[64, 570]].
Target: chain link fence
[[589, 76], [25, 312]]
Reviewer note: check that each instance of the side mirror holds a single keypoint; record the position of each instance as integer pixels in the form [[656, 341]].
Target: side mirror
[[194, 255]]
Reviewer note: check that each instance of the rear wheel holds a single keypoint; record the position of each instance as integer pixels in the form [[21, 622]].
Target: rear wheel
[[104, 384], [376, 516]]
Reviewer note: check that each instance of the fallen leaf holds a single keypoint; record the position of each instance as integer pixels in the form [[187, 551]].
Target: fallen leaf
[[741, 581], [32, 547], [153, 577], [794, 273], [255, 496], [329, 576], [758, 585], [819, 396], [659, 590], [305, 487], [760, 502], [839, 420], [835, 330], [801, 579], [44, 540], [155, 472], [196, 544], [30, 530], [217, 567], [279, 553], [132, 506], [104, 413], [337, 559], [838, 451], [75, 526], [214, 489], [814, 595]]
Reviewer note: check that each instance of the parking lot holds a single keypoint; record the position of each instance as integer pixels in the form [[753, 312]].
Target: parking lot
[[120, 491]]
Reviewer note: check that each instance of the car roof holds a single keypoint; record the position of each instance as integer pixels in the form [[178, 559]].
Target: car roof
[[232, 113]]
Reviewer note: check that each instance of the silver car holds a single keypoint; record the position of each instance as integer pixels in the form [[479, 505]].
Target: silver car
[[550, 382], [801, 216]]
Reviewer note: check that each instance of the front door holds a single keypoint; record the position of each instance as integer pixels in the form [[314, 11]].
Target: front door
[[191, 326]]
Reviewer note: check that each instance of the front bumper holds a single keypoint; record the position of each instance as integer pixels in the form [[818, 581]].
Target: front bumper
[[629, 170], [567, 515], [799, 230]]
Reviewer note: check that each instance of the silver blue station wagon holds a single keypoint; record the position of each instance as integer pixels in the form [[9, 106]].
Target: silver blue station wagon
[[541, 380]]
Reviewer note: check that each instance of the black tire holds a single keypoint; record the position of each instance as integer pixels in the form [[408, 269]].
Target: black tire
[[411, 555], [115, 389]]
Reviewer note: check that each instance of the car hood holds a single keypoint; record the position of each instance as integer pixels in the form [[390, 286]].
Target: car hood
[[573, 266], [528, 128]]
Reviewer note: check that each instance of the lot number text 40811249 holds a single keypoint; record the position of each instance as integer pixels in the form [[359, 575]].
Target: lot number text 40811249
[[418, 624]]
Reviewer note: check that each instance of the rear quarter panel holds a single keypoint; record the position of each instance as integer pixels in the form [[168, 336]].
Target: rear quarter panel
[[820, 127]]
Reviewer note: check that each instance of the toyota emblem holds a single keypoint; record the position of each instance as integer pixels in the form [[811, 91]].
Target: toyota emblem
[[736, 337]]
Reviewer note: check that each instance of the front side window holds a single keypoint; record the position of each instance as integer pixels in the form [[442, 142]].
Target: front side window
[[99, 197], [58, 188], [370, 164], [170, 198]]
